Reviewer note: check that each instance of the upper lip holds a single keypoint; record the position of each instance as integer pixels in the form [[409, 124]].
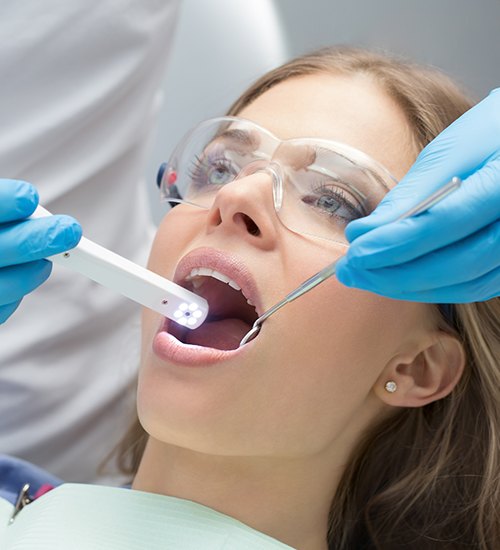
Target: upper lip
[[228, 264]]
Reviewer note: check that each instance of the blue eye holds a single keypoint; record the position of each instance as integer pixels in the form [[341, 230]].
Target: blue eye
[[220, 174], [335, 202], [210, 171]]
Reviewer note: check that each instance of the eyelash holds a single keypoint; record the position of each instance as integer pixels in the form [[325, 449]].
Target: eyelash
[[341, 195], [199, 164], [195, 169]]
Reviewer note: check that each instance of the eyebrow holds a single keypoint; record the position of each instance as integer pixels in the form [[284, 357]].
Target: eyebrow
[[241, 137]]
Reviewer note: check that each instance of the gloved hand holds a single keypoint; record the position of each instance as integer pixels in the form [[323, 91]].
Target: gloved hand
[[451, 253], [23, 243]]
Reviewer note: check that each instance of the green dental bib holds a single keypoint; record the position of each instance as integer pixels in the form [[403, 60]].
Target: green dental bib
[[91, 517]]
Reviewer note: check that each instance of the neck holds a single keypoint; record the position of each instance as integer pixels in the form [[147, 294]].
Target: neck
[[288, 500]]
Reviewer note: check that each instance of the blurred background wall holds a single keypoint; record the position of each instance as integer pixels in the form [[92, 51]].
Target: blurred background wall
[[221, 46]]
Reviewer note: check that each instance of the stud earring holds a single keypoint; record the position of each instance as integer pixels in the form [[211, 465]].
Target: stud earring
[[391, 386]]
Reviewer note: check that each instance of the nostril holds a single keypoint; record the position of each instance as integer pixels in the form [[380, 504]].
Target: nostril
[[251, 225]]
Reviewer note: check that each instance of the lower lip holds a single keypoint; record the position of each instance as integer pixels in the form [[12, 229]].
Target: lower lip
[[167, 348]]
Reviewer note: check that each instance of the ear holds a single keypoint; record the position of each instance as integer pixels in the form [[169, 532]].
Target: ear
[[427, 375]]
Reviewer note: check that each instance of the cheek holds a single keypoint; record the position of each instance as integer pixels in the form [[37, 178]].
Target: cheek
[[175, 232], [329, 351], [345, 334], [347, 326]]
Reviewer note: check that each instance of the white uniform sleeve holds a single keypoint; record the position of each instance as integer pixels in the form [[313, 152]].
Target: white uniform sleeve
[[80, 89], [79, 92]]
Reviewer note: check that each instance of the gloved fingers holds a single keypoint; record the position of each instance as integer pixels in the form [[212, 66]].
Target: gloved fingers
[[461, 262], [460, 150], [7, 310], [38, 238], [18, 280], [18, 200], [464, 212], [476, 290]]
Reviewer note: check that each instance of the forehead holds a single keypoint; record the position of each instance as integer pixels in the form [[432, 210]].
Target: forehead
[[349, 109]]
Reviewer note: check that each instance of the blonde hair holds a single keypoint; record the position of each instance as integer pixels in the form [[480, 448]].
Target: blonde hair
[[427, 477]]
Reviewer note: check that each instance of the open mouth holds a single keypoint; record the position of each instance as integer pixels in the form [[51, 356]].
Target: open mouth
[[230, 315]]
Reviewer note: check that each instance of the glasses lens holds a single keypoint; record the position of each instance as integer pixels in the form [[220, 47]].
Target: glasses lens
[[212, 156], [324, 189], [323, 186]]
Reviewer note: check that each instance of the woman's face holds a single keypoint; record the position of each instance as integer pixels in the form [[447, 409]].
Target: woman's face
[[305, 385]]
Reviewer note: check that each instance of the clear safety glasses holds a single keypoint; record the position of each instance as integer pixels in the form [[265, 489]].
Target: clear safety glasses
[[318, 186]]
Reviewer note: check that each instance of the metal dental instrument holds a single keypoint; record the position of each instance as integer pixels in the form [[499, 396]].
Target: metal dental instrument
[[329, 270], [133, 281]]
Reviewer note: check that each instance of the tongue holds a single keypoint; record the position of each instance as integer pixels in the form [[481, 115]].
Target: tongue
[[222, 334]]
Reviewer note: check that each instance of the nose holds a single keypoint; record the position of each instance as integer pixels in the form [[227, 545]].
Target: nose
[[245, 206]]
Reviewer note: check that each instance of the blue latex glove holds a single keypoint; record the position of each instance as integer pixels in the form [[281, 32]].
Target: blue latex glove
[[23, 243], [451, 253]]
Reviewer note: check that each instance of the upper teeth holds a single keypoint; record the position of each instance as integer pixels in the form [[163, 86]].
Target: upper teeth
[[198, 272]]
